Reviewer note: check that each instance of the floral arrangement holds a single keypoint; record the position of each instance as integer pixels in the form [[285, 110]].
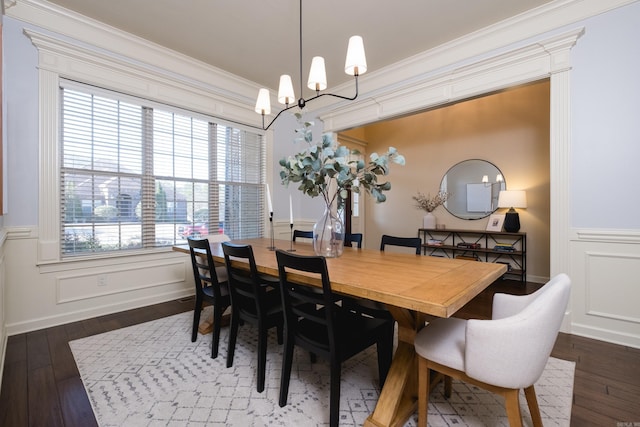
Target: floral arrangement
[[324, 169], [428, 203]]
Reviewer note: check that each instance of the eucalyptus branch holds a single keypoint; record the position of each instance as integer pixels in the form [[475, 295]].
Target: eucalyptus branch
[[326, 162]]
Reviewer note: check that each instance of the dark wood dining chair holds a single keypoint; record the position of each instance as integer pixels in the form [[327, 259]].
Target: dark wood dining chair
[[211, 286], [302, 233], [255, 299], [350, 239], [314, 322], [408, 242]]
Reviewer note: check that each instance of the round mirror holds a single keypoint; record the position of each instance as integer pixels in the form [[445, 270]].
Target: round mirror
[[473, 187]]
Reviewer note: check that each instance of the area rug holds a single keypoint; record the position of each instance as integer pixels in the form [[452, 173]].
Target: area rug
[[151, 374]]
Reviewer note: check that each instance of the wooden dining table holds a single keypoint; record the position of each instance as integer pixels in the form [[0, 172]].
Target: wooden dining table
[[413, 287]]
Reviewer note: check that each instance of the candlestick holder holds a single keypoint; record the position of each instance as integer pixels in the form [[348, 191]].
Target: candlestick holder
[[272, 245], [291, 240]]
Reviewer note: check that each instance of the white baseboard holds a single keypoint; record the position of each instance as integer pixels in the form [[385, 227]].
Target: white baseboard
[[605, 335], [74, 316]]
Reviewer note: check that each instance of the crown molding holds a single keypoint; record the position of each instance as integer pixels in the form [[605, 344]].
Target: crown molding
[[73, 28], [536, 60], [511, 33]]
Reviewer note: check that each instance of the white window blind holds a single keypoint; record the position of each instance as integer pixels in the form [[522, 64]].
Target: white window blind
[[138, 175]]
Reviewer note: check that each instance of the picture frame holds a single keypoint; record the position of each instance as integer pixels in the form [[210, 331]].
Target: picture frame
[[495, 222]]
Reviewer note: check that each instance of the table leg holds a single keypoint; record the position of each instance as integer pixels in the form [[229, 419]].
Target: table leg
[[399, 397], [206, 325]]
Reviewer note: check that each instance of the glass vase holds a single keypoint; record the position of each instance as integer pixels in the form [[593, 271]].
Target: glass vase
[[328, 234]]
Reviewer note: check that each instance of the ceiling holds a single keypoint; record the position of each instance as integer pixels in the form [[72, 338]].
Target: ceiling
[[259, 39]]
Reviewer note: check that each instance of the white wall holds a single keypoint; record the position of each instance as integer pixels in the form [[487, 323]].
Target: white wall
[[605, 103], [605, 200], [596, 246]]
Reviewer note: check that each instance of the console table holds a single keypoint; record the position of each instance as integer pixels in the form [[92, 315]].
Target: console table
[[487, 246]]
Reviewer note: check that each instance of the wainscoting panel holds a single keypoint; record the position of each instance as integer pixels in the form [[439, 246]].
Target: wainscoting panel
[[91, 284], [611, 279], [605, 270], [44, 295]]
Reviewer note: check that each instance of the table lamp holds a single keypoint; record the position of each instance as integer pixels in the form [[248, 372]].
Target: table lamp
[[512, 199]]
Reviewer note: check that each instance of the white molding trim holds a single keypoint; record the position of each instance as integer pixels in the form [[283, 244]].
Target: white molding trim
[[88, 64], [606, 236], [95, 311], [49, 176], [537, 60], [605, 334]]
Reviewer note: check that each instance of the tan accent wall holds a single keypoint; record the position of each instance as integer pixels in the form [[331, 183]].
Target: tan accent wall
[[509, 129]]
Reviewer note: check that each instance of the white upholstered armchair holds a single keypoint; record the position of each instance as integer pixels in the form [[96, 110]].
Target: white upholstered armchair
[[502, 355]]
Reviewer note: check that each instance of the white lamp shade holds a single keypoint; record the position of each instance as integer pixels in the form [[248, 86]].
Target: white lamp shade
[[356, 62], [499, 178], [317, 74], [285, 90], [485, 178], [512, 199], [263, 104]]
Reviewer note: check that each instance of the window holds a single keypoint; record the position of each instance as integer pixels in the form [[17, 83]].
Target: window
[[139, 175]]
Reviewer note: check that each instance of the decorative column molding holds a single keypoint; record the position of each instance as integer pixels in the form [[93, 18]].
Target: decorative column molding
[[559, 49], [49, 195], [559, 145]]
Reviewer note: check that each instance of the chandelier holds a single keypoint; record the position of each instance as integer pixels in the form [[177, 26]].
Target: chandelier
[[355, 64]]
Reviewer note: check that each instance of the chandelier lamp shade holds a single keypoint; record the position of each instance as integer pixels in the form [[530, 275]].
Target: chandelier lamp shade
[[355, 65], [512, 199]]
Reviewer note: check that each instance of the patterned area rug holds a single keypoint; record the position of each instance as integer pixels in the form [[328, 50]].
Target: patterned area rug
[[153, 375]]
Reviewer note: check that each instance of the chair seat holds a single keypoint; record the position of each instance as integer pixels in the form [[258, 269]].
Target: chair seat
[[224, 291], [272, 305], [348, 340], [443, 341]]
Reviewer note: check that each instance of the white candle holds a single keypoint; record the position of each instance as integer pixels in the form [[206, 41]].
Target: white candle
[[290, 211], [269, 206]]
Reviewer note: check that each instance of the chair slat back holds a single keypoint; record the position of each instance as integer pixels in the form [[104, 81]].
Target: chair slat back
[[307, 303], [245, 285], [302, 233], [353, 238], [408, 242], [204, 272]]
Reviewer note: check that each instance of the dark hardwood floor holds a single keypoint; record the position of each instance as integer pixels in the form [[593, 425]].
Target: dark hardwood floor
[[41, 385]]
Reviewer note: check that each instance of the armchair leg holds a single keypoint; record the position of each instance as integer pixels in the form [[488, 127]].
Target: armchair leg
[[423, 391], [513, 407], [448, 386], [532, 401]]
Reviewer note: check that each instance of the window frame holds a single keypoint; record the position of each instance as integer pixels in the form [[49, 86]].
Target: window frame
[[169, 80]]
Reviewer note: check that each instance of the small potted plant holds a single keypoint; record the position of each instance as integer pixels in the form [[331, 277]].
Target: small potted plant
[[428, 204]]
